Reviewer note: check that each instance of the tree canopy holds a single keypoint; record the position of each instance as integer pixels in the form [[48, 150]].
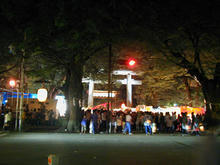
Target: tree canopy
[[59, 42]]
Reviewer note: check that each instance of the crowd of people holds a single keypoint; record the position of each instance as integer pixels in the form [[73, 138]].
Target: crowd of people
[[30, 117], [101, 121]]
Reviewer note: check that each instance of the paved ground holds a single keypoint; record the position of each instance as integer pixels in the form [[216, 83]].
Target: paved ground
[[75, 149], [2, 133]]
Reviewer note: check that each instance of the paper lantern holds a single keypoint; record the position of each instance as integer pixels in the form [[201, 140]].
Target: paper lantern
[[42, 94]]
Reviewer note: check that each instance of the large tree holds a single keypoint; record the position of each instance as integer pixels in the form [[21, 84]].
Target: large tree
[[188, 35], [81, 29]]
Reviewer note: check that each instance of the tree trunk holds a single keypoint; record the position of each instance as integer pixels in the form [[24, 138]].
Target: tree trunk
[[209, 88], [155, 99], [74, 94], [52, 92], [188, 92], [197, 95]]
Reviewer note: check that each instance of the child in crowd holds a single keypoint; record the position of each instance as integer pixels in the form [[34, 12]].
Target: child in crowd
[[83, 125], [147, 125]]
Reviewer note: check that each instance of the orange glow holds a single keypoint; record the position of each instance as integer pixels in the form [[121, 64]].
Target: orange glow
[[201, 128], [189, 110]]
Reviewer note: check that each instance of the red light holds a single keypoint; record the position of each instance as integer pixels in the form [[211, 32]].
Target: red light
[[132, 62]]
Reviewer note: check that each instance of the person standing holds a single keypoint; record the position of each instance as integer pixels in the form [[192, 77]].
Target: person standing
[[184, 123], [169, 124], [94, 121], [147, 124], [83, 125], [104, 121], [188, 124], [7, 121], [174, 120], [161, 122], [119, 123], [192, 120], [88, 119], [179, 124], [128, 119], [113, 124]]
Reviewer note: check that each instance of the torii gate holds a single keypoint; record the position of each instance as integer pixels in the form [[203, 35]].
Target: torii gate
[[91, 89], [129, 82]]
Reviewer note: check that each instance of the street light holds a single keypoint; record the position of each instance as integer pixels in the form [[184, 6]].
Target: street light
[[130, 62], [13, 83]]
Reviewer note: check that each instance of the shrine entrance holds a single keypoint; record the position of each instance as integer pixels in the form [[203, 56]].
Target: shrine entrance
[[128, 81]]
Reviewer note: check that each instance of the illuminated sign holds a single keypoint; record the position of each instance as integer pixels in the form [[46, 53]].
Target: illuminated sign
[[97, 93]]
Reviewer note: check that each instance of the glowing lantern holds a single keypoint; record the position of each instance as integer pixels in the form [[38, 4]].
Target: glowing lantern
[[42, 94], [201, 128]]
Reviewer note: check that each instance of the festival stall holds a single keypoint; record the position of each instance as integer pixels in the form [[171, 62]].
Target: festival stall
[[164, 110]]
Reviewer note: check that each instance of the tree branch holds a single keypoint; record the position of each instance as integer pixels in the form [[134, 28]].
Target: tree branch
[[194, 37], [7, 70], [56, 59], [184, 63], [95, 51]]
